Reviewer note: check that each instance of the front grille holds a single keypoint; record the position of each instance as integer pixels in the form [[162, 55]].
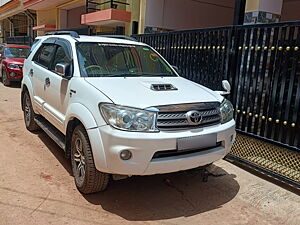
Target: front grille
[[175, 116]]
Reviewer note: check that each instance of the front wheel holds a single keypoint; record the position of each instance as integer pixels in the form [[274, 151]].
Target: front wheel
[[87, 178], [5, 80]]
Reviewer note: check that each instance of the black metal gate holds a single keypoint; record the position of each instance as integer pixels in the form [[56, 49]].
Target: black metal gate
[[262, 64]]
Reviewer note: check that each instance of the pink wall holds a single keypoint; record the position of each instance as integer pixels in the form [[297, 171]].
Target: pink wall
[[271, 6], [189, 14], [74, 18], [290, 10]]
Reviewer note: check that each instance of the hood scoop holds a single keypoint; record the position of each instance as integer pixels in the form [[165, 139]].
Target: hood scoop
[[163, 87]]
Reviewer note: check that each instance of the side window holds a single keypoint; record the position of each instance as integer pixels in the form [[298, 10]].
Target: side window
[[60, 57], [45, 55]]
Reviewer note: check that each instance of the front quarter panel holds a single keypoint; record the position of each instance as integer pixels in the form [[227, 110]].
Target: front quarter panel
[[80, 112]]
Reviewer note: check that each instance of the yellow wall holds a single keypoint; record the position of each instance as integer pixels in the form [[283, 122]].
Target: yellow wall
[[252, 5], [46, 17], [134, 8]]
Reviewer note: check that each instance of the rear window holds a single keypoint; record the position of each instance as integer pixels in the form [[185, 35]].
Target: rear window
[[13, 52], [45, 55]]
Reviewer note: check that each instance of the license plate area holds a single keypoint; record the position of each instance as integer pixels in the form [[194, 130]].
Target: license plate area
[[196, 142]]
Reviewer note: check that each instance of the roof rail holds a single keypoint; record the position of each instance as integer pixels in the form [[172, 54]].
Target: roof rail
[[64, 32], [120, 37]]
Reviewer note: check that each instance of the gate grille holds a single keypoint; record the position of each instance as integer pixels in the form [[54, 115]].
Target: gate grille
[[268, 156], [262, 62]]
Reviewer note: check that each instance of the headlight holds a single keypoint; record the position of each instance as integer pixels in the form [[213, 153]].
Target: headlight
[[129, 119], [13, 66], [226, 111]]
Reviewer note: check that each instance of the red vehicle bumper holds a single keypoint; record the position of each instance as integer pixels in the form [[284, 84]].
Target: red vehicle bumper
[[14, 74]]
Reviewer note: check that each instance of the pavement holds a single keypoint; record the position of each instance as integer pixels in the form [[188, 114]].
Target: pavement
[[37, 187]]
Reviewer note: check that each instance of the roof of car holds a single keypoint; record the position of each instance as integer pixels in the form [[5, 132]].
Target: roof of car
[[15, 46], [85, 38], [102, 39]]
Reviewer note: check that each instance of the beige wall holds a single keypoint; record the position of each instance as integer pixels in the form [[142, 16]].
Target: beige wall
[[188, 14], [271, 6], [252, 5], [46, 17], [134, 8]]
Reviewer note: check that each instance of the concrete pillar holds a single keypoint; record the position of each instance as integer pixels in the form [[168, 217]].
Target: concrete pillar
[[263, 11], [134, 8], [143, 4], [11, 27], [1, 31]]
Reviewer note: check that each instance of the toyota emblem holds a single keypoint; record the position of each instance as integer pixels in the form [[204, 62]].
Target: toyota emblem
[[194, 117]]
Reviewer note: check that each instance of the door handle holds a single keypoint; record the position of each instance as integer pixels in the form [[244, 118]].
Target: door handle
[[31, 72], [47, 82]]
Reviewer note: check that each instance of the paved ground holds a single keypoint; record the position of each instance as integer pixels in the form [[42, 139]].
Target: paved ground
[[36, 187]]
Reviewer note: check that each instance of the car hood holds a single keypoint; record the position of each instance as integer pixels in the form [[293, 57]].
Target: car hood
[[137, 92], [15, 60]]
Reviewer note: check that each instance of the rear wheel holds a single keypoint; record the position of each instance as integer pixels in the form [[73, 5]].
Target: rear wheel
[[5, 80], [29, 113], [87, 178]]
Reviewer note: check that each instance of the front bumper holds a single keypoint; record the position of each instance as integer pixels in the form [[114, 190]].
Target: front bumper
[[14, 74], [107, 143]]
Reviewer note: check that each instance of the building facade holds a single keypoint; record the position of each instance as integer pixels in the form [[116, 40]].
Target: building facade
[[25, 19]]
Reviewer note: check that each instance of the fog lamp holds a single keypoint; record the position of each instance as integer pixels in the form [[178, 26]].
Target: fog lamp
[[125, 155]]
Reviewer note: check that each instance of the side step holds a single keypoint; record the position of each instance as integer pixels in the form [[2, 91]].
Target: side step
[[51, 131]]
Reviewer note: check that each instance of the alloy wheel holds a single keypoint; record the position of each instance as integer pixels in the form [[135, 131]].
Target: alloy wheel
[[79, 159], [27, 110]]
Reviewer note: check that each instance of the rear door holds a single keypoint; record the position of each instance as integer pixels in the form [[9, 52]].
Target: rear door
[[39, 71], [58, 88]]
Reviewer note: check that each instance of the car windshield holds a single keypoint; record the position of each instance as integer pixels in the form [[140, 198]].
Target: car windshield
[[13, 52], [113, 60]]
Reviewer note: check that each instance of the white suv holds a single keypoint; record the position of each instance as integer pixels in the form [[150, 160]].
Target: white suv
[[117, 107]]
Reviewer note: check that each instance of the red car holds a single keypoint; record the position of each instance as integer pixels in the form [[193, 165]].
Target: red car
[[11, 62]]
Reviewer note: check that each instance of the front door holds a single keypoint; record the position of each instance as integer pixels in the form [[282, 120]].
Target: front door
[[57, 88]]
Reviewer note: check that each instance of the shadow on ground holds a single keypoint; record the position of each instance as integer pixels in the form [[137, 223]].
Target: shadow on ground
[[157, 197], [12, 84], [55, 150]]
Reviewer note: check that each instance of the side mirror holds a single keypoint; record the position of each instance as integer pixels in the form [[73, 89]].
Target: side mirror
[[0, 55], [63, 69], [175, 68], [227, 87]]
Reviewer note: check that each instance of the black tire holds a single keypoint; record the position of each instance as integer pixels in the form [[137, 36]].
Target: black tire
[[5, 80], [87, 178], [29, 113]]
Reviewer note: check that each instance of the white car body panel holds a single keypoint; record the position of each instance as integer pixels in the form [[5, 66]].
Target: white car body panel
[[124, 91], [59, 106]]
